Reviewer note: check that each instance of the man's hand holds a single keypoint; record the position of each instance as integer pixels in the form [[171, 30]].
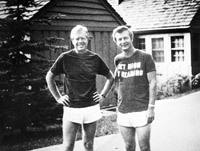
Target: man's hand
[[64, 100], [150, 114], [98, 97]]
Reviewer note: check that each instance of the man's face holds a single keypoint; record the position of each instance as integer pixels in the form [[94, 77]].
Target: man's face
[[123, 40], [80, 40]]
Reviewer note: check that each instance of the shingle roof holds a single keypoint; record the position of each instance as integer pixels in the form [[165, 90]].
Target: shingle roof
[[157, 14], [144, 15]]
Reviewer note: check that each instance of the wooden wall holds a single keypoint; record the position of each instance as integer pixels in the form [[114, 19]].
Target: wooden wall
[[195, 38], [95, 15], [65, 14]]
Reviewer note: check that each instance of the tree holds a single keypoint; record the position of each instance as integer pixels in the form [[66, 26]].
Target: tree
[[24, 98]]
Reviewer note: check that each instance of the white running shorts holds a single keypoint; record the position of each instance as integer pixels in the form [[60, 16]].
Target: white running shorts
[[133, 119], [82, 115]]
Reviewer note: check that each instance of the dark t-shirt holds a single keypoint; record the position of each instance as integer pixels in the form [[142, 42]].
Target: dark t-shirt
[[132, 83], [80, 76]]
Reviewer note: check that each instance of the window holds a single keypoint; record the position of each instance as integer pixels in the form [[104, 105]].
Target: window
[[177, 48], [141, 44], [158, 49]]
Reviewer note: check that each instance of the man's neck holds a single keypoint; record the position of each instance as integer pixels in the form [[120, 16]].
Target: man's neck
[[81, 51], [128, 53]]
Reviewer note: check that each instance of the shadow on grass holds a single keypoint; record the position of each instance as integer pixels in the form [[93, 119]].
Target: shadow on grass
[[31, 140], [42, 138]]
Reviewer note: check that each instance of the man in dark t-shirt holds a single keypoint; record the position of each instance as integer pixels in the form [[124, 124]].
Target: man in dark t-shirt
[[135, 79], [80, 76], [81, 100]]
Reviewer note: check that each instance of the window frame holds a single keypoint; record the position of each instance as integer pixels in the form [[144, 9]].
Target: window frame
[[167, 45], [176, 51], [161, 60], [141, 44]]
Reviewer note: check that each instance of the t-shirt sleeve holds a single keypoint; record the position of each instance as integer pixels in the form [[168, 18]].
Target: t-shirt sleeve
[[57, 67], [150, 64], [103, 68], [117, 59]]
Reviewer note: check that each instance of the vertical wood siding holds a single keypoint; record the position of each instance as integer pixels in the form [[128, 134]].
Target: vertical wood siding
[[195, 38]]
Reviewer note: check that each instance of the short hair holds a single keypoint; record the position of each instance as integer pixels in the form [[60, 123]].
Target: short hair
[[79, 28], [121, 29]]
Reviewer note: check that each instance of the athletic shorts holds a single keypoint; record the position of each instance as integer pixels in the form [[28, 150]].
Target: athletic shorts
[[82, 115], [133, 119]]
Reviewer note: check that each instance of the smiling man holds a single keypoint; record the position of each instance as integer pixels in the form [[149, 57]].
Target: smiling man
[[81, 99], [135, 78]]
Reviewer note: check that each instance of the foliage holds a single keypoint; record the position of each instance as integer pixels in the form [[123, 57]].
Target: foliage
[[196, 81], [174, 85], [24, 98]]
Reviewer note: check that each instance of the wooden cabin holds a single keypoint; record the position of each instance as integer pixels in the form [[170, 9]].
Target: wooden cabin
[[97, 15]]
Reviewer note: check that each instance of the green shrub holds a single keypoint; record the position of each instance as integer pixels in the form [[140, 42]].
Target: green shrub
[[174, 85]]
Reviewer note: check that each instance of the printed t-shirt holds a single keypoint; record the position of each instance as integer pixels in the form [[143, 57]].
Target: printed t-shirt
[[80, 76], [132, 83]]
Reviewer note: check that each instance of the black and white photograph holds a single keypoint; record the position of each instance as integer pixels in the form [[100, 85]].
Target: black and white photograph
[[99, 75]]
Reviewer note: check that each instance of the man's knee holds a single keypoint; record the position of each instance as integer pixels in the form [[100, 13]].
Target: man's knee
[[130, 147], [88, 144], [68, 147], [145, 147]]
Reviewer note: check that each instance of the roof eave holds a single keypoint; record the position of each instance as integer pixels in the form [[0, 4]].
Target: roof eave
[[113, 12], [146, 30]]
